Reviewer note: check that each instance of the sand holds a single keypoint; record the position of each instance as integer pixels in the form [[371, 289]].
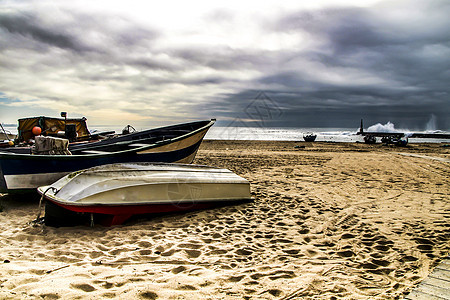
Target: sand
[[329, 221]]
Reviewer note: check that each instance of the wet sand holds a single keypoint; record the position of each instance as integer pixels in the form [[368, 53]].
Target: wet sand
[[329, 221]]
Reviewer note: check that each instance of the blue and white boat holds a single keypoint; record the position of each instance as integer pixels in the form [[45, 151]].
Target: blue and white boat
[[176, 143]]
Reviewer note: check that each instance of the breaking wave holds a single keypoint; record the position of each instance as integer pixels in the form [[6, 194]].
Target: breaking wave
[[388, 127]]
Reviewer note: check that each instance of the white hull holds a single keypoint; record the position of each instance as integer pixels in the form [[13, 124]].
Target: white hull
[[127, 189]]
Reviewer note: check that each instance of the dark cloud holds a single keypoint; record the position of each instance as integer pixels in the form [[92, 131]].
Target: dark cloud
[[75, 32], [30, 26], [336, 108], [409, 59], [352, 29]]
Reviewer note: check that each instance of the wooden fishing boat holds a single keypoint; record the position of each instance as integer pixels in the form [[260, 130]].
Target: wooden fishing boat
[[178, 143], [91, 141], [115, 192]]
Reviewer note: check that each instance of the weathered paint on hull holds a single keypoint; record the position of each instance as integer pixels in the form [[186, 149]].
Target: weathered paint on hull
[[116, 215]]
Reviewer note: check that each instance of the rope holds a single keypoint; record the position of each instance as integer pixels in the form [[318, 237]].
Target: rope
[[38, 217]]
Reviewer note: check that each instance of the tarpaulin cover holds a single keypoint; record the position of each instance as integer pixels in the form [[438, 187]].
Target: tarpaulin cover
[[51, 146], [49, 126]]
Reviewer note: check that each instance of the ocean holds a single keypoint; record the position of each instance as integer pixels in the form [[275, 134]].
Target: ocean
[[281, 134]]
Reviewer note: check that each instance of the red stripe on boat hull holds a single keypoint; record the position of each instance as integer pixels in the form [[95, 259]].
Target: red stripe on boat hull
[[117, 214]]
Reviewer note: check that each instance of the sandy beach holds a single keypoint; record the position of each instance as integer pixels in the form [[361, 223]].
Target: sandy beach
[[329, 221]]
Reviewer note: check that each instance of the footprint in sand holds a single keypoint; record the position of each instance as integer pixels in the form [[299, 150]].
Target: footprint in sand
[[381, 262], [347, 236], [236, 278], [346, 253], [424, 245], [218, 251], [368, 266], [168, 253], [285, 241], [244, 252], [382, 248], [144, 244], [274, 292], [425, 248], [282, 274], [95, 254], [408, 258], [187, 287], [149, 295], [256, 276], [190, 246], [145, 252], [385, 242], [193, 253], [109, 295], [178, 269], [108, 285], [303, 230], [50, 296], [84, 287]]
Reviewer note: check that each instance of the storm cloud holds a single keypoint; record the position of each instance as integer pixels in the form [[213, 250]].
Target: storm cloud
[[325, 66]]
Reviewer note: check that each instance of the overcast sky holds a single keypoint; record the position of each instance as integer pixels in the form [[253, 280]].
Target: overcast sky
[[318, 63]]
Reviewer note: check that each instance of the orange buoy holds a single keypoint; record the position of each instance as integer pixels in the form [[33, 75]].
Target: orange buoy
[[11, 143], [36, 130]]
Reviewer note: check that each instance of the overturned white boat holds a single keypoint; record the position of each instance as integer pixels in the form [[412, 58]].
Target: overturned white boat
[[115, 192]]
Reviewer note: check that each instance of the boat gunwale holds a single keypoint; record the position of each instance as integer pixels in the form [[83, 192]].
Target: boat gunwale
[[181, 168], [57, 200], [10, 155]]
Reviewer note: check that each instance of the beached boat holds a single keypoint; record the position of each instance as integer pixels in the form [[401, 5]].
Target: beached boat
[[309, 137], [370, 139], [19, 172], [113, 193], [131, 136], [110, 141]]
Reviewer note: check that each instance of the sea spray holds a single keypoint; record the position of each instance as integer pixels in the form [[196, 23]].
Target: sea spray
[[388, 127], [431, 124]]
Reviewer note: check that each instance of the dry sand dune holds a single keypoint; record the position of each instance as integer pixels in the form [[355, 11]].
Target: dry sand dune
[[329, 221]]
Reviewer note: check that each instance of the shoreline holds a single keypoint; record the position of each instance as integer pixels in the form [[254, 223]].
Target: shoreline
[[329, 220]]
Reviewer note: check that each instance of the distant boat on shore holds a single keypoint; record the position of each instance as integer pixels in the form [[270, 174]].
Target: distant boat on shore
[[309, 137]]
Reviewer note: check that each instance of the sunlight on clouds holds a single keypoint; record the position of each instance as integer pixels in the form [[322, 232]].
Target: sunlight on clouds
[[104, 116]]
